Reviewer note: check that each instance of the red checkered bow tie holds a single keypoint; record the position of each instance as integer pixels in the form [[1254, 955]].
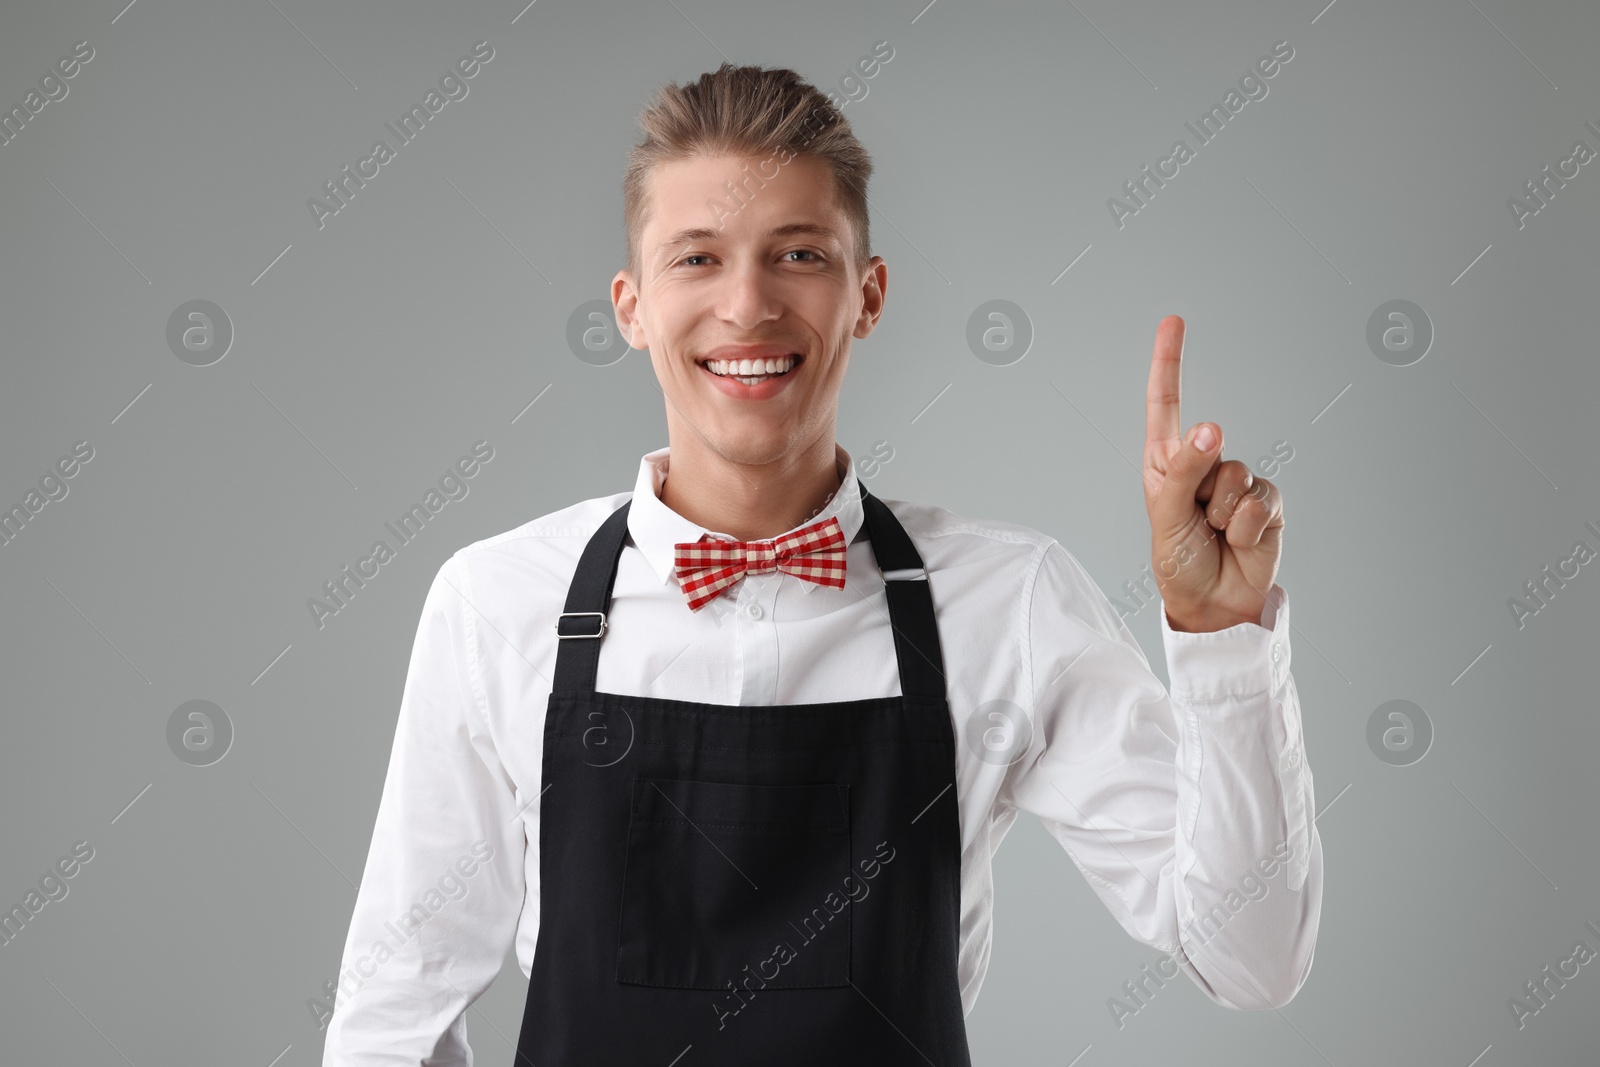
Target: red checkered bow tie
[[708, 567]]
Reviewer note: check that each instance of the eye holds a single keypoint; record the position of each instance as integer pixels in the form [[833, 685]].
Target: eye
[[802, 252], [696, 255]]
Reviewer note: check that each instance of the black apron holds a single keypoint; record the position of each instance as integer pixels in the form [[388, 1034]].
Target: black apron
[[766, 885]]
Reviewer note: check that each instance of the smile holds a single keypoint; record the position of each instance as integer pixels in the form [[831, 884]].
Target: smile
[[753, 379], [752, 371]]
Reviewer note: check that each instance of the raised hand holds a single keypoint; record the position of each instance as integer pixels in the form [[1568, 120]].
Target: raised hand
[[1216, 530]]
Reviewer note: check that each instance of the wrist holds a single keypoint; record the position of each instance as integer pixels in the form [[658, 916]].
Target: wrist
[[1207, 622]]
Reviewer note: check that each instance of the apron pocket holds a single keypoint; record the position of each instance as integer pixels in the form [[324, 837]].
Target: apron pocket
[[747, 884]]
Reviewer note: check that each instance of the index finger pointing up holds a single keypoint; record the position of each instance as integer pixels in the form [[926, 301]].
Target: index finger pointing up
[[1166, 376]]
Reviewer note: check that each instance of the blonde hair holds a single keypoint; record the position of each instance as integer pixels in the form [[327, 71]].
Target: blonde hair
[[746, 111]]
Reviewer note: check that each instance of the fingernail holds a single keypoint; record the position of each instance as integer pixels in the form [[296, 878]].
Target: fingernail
[[1205, 438]]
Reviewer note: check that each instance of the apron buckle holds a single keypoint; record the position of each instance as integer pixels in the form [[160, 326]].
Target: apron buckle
[[566, 614], [906, 574]]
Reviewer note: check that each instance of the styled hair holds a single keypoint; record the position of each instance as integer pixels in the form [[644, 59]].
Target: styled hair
[[746, 111]]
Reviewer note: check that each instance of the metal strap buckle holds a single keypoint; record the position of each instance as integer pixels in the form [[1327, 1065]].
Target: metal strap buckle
[[908, 574], [567, 614]]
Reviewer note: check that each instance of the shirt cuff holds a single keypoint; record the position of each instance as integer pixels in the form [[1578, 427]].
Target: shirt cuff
[[1242, 660], [1235, 675]]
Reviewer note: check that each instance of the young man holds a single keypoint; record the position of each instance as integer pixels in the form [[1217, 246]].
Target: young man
[[726, 756]]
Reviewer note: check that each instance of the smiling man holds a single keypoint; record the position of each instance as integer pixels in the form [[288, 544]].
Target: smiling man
[[741, 742], [748, 315]]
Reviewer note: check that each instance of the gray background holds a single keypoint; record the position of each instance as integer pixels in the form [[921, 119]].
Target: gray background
[[433, 309]]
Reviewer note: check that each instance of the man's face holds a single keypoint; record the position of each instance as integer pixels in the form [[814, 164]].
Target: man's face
[[774, 278]]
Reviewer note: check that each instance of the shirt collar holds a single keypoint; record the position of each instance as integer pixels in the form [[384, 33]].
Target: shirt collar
[[656, 528]]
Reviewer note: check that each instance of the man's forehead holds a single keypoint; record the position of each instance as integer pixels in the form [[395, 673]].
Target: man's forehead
[[680, 191], [703, 167]]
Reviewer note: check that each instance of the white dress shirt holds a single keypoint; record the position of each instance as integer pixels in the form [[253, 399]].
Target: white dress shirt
[[1196, 804]]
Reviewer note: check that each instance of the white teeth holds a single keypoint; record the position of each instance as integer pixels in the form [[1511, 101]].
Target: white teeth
[[748, 367]]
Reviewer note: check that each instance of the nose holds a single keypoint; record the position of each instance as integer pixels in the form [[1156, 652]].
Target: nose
[[748, 297]]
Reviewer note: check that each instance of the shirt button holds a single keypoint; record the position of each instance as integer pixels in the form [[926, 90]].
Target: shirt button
[[754, 611], [1276, 652]]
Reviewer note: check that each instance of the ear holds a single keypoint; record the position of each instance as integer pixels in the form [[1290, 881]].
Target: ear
[[625, 301], [874, 283]]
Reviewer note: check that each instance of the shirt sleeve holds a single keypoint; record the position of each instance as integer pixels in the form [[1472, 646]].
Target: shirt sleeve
[[443, 886], [1191, 813]]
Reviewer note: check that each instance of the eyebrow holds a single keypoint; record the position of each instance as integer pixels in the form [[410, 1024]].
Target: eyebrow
[[704, 233]]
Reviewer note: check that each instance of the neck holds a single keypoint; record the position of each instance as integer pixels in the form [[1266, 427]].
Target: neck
[[751, 502]]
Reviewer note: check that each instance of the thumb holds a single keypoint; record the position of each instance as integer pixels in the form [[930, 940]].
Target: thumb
[[1200, 453]]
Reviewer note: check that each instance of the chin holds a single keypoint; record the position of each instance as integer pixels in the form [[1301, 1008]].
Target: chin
[[753, 451]]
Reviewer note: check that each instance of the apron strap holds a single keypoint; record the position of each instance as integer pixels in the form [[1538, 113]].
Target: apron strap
[[916, 632]]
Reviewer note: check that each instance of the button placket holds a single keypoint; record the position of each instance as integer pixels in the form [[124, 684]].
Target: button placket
[[758, 639]]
